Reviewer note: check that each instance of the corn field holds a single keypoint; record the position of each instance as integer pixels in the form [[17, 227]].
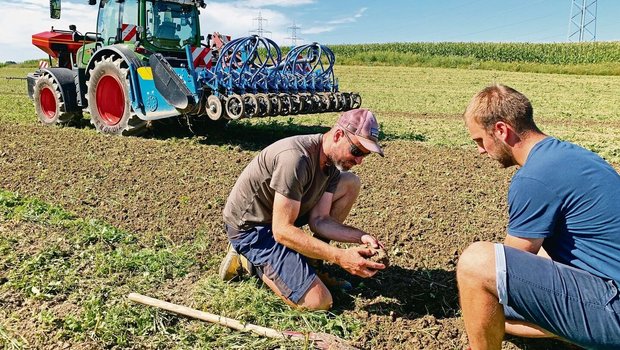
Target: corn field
[[552, 53]]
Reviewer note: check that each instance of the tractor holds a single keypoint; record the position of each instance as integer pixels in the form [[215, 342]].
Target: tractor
[[147, 60]]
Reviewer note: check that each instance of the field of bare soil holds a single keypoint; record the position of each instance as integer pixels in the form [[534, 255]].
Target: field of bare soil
[[86, 219], [426, 203]]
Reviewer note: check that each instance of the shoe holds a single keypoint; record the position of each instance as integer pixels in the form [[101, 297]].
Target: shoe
[[234, 265], [327, 279]]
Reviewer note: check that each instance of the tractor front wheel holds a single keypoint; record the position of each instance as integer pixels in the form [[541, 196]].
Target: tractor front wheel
[[109, 100]]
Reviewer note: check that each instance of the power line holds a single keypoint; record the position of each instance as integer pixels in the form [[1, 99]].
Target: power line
[[582, 22]]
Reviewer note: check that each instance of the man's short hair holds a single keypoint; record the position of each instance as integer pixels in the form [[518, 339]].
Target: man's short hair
[[501, 103]]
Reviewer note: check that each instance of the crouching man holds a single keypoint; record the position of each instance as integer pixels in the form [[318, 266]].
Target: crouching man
[[296, 181], [564, 199]]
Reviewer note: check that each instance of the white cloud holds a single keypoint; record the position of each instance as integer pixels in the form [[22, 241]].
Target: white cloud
[[350, 19], [19, 20], [238, 20], [332, 25]]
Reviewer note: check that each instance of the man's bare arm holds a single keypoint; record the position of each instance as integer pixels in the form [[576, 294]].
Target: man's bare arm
[[323, 224], [285, 212], [532, 245]]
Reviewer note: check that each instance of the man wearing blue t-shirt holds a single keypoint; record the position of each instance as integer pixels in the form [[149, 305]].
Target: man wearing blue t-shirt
[[558, 271]]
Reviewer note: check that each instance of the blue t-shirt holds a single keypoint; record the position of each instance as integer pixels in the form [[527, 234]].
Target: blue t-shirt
[[570, 197]]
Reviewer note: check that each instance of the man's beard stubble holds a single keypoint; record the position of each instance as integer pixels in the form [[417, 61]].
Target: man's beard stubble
[[503, 154]]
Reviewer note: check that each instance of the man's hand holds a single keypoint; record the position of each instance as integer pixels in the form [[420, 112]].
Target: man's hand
[[353, 260], [372, 241]]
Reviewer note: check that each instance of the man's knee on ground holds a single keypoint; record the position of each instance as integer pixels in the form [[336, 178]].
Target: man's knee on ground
[[317, 297], [477, 264]]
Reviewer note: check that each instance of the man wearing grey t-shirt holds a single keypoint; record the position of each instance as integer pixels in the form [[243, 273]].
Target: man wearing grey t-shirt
[[296, 181]]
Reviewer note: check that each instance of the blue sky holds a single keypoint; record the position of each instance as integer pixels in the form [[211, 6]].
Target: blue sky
[[337, 21]]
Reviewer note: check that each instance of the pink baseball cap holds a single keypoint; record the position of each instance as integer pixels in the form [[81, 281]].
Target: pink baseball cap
[[363, 124]]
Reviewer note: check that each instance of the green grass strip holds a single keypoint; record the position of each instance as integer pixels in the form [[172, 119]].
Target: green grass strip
[[52, 257]]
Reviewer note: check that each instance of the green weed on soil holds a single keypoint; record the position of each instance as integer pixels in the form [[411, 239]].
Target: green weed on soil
[[76, 274]]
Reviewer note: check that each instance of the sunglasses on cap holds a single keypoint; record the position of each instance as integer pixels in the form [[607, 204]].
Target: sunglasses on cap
[[355, 151]]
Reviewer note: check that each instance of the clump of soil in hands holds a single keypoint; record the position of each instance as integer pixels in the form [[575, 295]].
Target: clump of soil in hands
[[379, 255]]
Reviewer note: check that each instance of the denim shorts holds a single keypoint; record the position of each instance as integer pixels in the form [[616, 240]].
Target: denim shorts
[[568, 302], [288, 269]]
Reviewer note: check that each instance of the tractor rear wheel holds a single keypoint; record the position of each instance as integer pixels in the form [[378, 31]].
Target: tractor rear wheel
[[109, 99], [48, 101]]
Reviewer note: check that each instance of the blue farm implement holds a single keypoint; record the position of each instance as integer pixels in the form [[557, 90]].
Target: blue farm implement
[[147, 61]]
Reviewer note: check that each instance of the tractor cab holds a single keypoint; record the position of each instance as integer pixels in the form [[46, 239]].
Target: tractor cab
[[164, 25], [143, 26], [170, 25]]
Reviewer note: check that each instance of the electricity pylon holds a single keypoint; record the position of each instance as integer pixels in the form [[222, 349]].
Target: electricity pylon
[[294, 38], [582, 23], [259, 27]]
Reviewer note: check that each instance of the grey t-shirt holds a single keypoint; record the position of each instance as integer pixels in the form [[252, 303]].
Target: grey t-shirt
[[290, 167]]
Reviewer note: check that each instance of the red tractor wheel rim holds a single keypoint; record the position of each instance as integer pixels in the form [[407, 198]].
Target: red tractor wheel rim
[[48, 103], [110, 100]]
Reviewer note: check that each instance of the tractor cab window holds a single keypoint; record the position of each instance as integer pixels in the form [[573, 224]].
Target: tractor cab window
[[113, 15], [130, 12], [169, 24], [108, 20]]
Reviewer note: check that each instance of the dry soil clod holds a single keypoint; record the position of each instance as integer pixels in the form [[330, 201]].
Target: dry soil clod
[[379, 255]]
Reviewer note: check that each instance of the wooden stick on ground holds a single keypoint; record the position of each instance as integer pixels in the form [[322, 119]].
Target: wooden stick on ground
[[321, 340]]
